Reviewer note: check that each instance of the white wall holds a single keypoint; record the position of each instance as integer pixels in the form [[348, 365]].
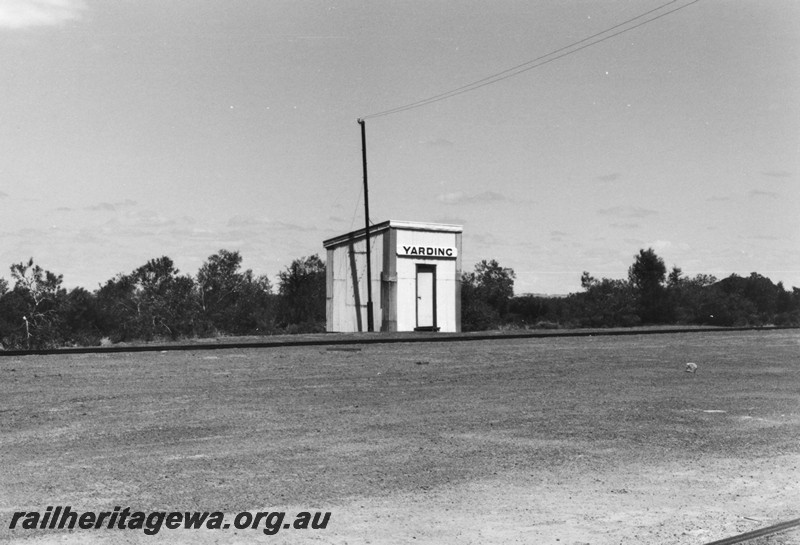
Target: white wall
[[342, 312], [407, 277]]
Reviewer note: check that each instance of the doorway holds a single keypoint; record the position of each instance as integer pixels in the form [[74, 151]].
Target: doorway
[[426, 298]]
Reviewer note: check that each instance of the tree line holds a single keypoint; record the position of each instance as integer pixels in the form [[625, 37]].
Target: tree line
[[156, 301], [650, 295]]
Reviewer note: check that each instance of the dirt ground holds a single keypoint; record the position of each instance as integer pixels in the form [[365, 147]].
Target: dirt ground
[[598, 440]]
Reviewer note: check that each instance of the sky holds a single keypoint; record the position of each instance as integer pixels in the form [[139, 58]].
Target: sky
[[135, 129]]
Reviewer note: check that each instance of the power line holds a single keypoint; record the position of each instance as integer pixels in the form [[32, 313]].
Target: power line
[[355, 211], [539, 61]]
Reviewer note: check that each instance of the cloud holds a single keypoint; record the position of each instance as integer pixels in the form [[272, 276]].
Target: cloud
[[659, 244], [452, 198], [762, 193], [111, 206], [626, 212], [459, 197], [102, 207], [625, 225], [286, 226], [437, 142], [614, 176], [245, 221], [196, 233], [145, 222], [777, 174], [3, 195], [450, 220], [664, 244], [249, 221], [486, 239], [18, 14]]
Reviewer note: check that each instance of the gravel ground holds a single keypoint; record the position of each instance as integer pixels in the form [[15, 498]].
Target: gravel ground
[[598, 440]]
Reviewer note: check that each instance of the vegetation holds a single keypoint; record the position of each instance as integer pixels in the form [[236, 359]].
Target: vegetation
[[486, 295], [156, 301], [301, 292], [650, 296]]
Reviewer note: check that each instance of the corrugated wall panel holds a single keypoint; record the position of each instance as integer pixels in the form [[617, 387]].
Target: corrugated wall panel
[[349, 287]]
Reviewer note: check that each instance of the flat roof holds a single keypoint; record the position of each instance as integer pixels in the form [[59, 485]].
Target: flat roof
[[394, 224]]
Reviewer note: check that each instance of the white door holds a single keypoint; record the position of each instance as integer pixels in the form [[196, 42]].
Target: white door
[[426, 297]]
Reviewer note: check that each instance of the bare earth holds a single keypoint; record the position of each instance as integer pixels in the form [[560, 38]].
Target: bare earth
[[598, 440]]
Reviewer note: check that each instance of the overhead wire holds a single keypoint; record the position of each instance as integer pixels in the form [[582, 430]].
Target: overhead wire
[[355, 210], [539, 61]]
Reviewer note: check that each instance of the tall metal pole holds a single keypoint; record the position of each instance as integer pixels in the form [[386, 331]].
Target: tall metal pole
[[370, 320]]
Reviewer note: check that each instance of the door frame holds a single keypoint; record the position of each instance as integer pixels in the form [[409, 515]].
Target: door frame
[[432, 269]]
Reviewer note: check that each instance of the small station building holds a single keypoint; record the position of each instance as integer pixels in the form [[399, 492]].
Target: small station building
[[416, 278]]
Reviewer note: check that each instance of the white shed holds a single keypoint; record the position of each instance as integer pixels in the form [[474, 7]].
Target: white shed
[[416, 278]]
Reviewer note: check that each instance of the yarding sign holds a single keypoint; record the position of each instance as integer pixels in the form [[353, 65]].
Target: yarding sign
[[427, 251]]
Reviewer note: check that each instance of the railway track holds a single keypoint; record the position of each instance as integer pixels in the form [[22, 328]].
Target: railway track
[[337, 339], [755, 534]]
